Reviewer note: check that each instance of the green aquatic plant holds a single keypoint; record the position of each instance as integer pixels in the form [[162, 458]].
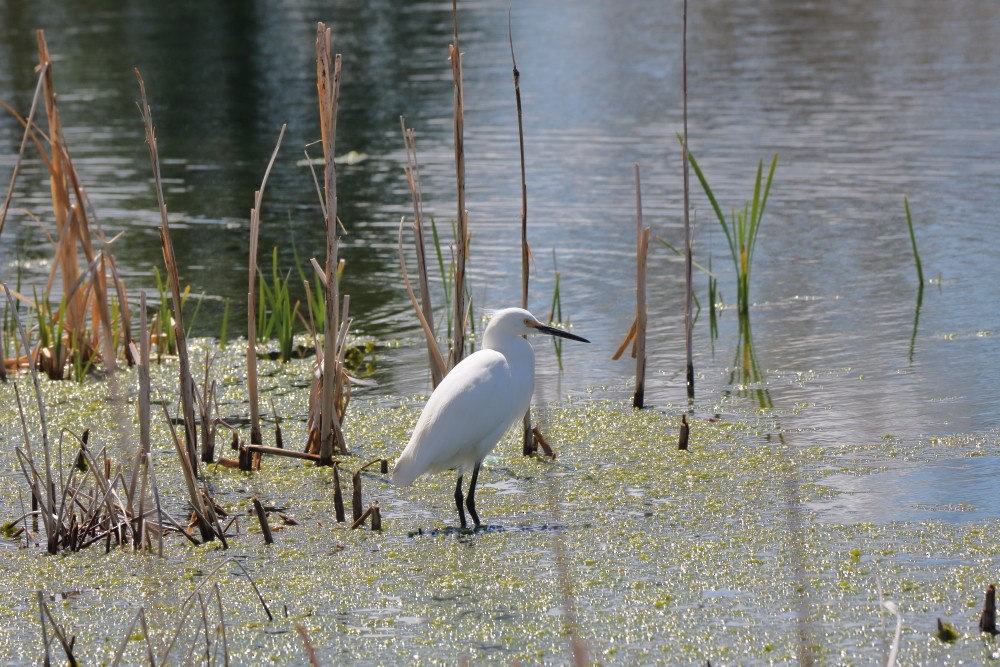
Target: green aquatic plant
[[913, 242], [277, 310], [742, 226]]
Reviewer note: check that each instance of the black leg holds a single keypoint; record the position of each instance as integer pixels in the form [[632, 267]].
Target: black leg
[[470, 500], [458, 501]]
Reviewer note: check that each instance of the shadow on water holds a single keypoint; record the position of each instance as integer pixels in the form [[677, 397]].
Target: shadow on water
[[486, 529]]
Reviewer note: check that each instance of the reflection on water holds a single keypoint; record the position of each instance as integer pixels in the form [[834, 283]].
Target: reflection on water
[[865, 102], [948, 490]]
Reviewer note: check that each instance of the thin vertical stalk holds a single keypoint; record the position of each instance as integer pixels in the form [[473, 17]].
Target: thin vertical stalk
[[143, 403], [328, 86], [413, 178], [255, 434], [641, 252], [688, 249], [462, 220], [527, 438], [186, 379]]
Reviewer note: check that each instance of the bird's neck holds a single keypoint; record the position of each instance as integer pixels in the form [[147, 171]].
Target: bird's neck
[[516, 349]]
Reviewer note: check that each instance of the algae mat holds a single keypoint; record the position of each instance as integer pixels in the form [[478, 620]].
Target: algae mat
[[648, 555]]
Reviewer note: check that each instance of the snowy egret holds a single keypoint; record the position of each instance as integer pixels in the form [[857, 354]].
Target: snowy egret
[[475, 405]]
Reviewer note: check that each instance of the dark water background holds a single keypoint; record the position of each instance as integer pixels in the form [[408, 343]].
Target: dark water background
[[865, 103]]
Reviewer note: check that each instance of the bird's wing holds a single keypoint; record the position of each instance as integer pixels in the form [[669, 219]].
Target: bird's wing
[[471, 406]]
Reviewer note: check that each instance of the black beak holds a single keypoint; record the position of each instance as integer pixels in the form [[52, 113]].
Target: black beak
[[552, 331]]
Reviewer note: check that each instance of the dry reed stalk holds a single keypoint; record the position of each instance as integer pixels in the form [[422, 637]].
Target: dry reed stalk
[[287, 453], [338, 495], [412, 171], [262, 518], [988, 617], [58, 633], [42, 487], [628, 340], [70, 207], [527, 437], [190, 480], [361, 517], [356, 497], [684, 434], [255, 435], [641, 255], [438, 366], [185, 608], [308, 645], [688, 250], [187, 388], [28, 124], [127, 637], [328, 88], [67, 216], [462, 220], [206, 403]]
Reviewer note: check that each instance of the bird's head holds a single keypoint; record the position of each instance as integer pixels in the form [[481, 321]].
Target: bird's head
[[519, 322]]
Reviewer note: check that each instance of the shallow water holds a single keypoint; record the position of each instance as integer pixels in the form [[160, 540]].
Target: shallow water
[[722, 553], [887, 398]]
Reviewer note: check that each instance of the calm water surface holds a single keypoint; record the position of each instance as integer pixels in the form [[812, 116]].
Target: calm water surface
[[865, 103]]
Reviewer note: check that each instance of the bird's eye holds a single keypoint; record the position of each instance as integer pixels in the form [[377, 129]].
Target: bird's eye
[[528, 323]]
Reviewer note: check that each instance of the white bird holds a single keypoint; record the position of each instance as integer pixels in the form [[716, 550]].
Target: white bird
[[475, 405]]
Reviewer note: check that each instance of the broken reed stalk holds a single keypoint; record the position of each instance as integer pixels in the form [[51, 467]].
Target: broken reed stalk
[[688, 249], [328, 89], [258, 197], [287, 453], [356, 497], [187, 388], [462, 220], [685, 433], [527, 437], [641, 253], [262, 518], [413, 179], [988, 617], [338, 495]]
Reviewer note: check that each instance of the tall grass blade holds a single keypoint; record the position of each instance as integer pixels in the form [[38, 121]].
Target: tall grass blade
[[913, 242]]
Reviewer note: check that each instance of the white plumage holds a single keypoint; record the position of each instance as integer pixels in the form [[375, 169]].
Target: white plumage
[[475, 405]]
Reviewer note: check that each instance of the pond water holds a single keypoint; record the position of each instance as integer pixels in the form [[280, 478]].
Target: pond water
[[864, 103]]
